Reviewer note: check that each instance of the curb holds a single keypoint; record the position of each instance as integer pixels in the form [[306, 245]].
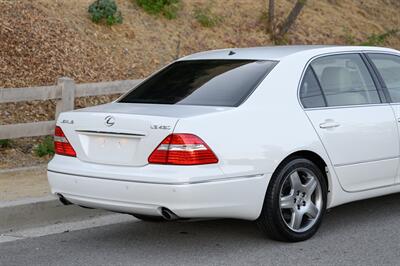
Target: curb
[[30, 213], [23, 169]]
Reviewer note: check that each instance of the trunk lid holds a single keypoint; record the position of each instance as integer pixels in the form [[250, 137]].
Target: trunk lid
[[122, 133]]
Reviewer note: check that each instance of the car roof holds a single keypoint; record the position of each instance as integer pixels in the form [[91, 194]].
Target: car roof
[[279, 52]]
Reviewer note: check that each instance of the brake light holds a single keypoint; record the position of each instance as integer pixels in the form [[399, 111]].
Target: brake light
[[61, 144], [183, 149]]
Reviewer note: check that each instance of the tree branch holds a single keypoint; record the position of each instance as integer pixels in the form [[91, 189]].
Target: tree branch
[[271, 17], [291, 18]]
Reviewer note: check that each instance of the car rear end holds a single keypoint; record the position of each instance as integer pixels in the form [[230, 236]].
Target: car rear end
[[128, 156]]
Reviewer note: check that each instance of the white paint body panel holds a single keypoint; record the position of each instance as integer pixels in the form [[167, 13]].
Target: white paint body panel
[[250, 142], [364, 148]]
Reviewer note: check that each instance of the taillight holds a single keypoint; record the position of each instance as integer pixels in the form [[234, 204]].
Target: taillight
[[183, 149], [61, 144]]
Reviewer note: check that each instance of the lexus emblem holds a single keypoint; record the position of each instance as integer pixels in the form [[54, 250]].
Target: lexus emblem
[[109, 121]]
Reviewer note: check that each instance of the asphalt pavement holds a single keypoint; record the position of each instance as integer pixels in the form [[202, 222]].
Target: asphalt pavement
[[361, 233]]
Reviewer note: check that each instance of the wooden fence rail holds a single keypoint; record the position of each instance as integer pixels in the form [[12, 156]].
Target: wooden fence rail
[[65, 92]]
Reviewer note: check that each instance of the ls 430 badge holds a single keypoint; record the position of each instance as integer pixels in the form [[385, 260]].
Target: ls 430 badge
[[160, 127]]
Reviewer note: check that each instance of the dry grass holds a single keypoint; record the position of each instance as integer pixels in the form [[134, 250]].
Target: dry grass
[[45, 39]]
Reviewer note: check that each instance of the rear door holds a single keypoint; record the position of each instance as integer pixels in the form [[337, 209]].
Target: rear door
[[356, 126], [388, 68]]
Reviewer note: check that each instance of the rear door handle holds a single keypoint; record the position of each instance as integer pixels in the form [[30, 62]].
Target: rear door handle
[[329, 124]]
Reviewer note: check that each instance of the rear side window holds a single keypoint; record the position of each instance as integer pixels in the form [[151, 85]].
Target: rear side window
[[345, 80], [389, 68], [202, 82], [310, 92]]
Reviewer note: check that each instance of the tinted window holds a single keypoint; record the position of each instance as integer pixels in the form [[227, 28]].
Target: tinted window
[[202, 82], [310, 91], [389, 68], [345, 80]]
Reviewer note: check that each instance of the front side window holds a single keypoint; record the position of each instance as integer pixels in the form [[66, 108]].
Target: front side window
[[345, 80], [389, 68], [202, 82]]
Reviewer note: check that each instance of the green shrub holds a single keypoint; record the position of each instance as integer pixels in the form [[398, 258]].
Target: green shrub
[[205, 17], [5, 143], [168, 8], [371, 40], [348, 37], [105, 10], [45, 148], [378, 39]]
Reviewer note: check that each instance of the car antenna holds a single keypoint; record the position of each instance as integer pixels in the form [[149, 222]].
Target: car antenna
[[231, 52]]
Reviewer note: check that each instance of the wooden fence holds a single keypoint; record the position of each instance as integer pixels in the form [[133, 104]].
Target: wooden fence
[[65, 92]]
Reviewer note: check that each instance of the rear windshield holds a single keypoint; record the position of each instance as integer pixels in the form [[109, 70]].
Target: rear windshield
[[202, 82]]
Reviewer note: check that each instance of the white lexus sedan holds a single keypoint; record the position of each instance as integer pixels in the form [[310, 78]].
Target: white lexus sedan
[[271, 134]]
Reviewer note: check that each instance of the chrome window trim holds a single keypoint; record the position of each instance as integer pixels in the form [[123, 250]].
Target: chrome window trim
[[347, 106], [380, 52]]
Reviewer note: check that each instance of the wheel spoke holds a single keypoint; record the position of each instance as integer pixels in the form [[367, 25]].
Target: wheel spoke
[[296, 219], [312, 210], [287, 202], [295, 181], [311, 186]]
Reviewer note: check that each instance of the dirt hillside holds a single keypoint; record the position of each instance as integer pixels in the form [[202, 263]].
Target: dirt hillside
[[43, 39]]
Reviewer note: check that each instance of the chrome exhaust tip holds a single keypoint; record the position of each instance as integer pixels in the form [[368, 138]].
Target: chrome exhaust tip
[[63, 200], [168, 215]]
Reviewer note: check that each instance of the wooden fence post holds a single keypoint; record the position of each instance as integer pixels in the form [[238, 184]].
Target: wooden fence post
[[67, 101]]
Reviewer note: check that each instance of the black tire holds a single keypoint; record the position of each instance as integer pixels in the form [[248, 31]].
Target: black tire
[[149, 218], [271, 221]]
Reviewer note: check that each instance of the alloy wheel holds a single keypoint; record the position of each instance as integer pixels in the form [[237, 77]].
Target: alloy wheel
[[301, 200]]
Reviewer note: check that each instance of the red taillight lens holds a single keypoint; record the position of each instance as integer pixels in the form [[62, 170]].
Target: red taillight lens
[[183, 149], [61, 144]]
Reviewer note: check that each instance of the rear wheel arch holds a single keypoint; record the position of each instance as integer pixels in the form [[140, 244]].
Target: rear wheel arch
[[313, 157]]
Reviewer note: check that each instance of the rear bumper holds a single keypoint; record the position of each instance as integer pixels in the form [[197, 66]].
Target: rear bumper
[[236, 197]]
